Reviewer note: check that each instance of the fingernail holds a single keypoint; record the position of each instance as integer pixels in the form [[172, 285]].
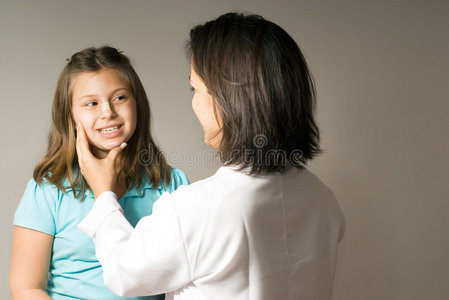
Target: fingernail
[[123, 145]]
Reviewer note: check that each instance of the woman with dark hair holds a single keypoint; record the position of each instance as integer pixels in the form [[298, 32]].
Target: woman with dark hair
[[262, 227]]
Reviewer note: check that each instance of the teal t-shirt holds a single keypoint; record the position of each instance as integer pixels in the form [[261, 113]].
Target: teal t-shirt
[[75, 272]]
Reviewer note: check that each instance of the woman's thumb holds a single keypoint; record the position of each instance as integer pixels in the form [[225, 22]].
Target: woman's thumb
[[112, 155]]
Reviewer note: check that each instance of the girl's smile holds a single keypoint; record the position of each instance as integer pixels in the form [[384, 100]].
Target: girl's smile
[[112, 131]]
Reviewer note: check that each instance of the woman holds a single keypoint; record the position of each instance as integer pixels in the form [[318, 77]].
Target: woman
[[262, 227], [51, 258]]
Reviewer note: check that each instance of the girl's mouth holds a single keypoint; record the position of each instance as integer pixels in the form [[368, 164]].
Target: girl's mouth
[[109, 129]]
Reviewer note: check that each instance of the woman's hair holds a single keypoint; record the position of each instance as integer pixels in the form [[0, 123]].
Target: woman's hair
[[60, 163], [262, 87]]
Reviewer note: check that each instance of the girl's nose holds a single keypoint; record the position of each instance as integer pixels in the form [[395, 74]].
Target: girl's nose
[[105, 106], [106, 110]]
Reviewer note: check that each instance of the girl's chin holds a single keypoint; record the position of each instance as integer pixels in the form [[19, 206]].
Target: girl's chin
[[103, 150]]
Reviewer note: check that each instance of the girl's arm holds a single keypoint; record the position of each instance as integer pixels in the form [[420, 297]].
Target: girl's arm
[[30, 260]]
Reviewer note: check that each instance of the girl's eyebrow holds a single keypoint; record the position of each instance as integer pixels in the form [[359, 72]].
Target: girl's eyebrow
[[113, 92]]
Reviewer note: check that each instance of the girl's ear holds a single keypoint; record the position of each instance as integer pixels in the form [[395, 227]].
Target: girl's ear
[[73, 121], [74, 125]]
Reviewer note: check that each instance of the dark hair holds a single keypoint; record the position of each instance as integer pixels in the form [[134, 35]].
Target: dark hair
[[60, 161], [262, 87]]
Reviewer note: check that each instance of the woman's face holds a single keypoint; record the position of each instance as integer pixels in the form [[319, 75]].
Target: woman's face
[[203, 107], [104, 105]]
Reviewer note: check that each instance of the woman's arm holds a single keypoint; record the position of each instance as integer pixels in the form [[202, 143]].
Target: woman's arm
[[30, 259], [149, 259]]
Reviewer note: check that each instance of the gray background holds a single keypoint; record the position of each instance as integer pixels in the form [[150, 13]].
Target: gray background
[[381, 69]]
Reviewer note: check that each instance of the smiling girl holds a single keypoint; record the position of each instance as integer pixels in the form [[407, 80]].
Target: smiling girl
[[51, 258]]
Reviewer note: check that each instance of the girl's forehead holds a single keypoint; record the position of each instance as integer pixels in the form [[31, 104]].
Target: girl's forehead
[[103, 81]]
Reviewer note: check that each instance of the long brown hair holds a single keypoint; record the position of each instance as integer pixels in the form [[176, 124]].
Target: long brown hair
[[262, 87], [60, 163]]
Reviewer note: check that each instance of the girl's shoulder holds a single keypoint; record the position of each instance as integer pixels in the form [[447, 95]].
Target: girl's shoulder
[[38, 207], [41, 189], [177, 178], [50, 192]]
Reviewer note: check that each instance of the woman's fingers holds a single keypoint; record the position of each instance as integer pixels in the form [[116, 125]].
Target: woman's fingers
[[100, 174], [77, 146], [113, 153], [82, 145]]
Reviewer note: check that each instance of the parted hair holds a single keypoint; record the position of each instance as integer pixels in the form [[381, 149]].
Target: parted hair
[[262, 87], [60, 163]]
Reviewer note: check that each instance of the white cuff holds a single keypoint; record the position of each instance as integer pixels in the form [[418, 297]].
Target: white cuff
[[105, 204]]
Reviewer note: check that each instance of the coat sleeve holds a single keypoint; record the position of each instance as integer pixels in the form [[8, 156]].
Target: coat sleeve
[[146, 260]]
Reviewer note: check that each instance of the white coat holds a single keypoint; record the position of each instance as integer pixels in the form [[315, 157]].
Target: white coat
[[230, 236]]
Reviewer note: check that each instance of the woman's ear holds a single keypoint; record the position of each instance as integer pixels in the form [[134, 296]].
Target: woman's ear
[[217, 114]]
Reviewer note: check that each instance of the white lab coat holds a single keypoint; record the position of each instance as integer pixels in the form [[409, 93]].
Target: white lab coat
[[230, 236]]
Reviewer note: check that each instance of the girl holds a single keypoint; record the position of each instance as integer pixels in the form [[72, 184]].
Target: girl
[[262, 227], [51, 257]]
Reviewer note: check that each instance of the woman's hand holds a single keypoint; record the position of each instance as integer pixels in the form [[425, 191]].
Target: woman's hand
[[100, 174]]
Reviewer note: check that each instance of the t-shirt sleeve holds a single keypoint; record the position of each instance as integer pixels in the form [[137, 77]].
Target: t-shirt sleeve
[[37, 208], [178, 178]]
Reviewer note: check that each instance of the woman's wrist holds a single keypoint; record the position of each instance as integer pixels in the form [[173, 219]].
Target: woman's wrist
[[98, 191]]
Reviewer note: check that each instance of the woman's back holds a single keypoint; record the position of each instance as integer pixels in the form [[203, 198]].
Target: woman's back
[[259, 237]]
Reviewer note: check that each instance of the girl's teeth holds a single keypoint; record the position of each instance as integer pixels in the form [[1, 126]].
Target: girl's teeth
[[109, 129]]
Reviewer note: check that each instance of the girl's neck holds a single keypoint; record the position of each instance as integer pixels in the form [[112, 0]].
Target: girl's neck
[[98, 153], [120, 188]]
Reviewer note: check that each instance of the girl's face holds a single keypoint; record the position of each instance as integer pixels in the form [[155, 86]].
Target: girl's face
[[203, 107], [104, 105]]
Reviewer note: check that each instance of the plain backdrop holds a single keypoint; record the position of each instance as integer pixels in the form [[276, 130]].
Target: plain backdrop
[[381, 69]]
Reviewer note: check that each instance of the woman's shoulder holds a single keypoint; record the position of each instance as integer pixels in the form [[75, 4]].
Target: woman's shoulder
[[215, 184]]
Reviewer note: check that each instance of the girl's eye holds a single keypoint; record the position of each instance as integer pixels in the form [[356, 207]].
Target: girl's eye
[[192, 89], [93, 103], [119, 98]]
